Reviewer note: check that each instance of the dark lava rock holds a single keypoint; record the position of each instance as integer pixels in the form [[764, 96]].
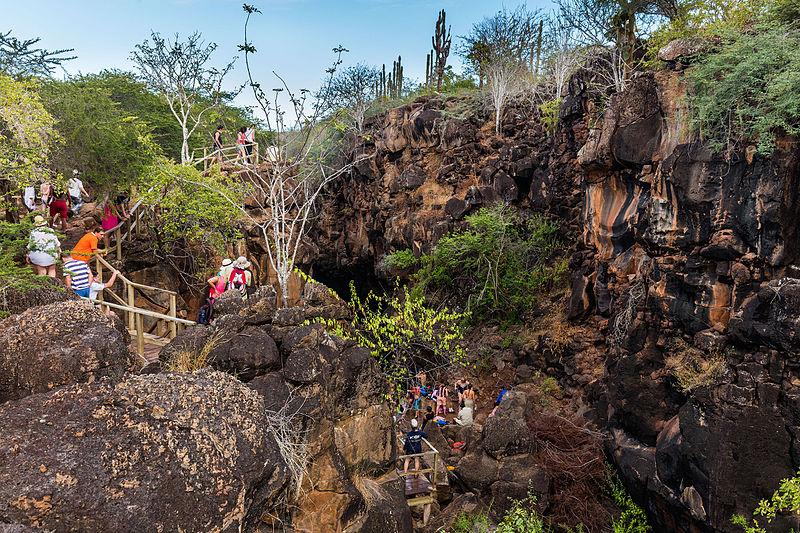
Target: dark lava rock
[[59, 344], [272, 388], [173, 452], [245, 354], [306, 349], [48, 292]]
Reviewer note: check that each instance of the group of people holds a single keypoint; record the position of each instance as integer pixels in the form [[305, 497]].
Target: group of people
[[245, 140], [44, 249], [57, 200], [232, 275]]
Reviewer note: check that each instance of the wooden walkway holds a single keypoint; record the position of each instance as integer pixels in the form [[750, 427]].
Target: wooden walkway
[[152, 346], [416, 485]]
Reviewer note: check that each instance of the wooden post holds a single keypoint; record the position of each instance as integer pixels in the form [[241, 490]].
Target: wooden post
[[119, 243], [173, 312], [131, 299], [205, 159], [139, 334], [435, 464], [255, 157]]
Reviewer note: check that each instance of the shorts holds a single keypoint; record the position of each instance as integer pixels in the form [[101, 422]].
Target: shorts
[[42, 259], [58, 207], [416, 404], [83, 293]]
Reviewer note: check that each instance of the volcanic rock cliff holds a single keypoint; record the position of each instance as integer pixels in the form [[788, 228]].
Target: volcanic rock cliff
[[682, 276]]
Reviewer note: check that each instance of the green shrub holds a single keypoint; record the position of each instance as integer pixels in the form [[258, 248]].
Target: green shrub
[[746, 89], [632, 519], [785, 500], [402, 259], [477, 522], [496, 265], [549, 113], [403, 333], [523, 518]]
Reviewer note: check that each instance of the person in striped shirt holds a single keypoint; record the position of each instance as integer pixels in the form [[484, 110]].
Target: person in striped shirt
[[76, 276]]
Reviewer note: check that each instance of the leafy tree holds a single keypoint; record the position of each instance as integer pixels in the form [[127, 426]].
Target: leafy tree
[[181, 74], [404, 334], [26, 133], [100, 138], [19, 58], [351, 91]]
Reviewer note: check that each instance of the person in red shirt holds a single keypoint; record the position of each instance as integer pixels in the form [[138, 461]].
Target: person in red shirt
[[88, 245]]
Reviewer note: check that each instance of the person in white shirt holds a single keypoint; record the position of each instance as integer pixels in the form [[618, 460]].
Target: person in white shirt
[[96, 286], [30, 197], [75, 186], [43, 248], [250, 136]]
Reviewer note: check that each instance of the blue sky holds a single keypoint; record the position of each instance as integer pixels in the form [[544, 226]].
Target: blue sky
[[293, 37]]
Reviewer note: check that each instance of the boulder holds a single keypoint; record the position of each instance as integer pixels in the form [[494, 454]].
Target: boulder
[[191, 339], [477, 470], [228, 303], [272, 388], [260, 306], [680, 49], [245, 354], [466, 503], [306, 348], [159, 452], [47, 291], [386, 509], [59, 344], [320, 301]]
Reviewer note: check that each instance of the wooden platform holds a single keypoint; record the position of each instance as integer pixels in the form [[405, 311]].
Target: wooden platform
[[152, 345], [417, 485]]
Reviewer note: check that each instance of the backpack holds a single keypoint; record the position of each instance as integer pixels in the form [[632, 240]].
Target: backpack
[[237, 280], [206, 312]]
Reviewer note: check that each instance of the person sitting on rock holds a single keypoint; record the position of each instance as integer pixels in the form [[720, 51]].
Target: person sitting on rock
[[498, 400], [428, 417], [412, 445], [464, 417]]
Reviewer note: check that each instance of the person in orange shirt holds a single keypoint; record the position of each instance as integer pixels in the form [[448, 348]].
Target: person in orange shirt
[[87, 246]]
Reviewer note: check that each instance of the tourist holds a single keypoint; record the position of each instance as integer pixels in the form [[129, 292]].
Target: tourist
[[76, 276], [441, 395], [428, 417], [96, 286], [417, 401], [273, 154], [29, 198], [88, 245], [250, 136], [217, 287], [46, 194], [59, 207], [217, 146], [121, 203], [43, 248], [109, 222], [460, 391], [498, 400], [241, 142], [464, 417], [75, 187], [413, 444], [469, 396], [225, 269], [240, 278]]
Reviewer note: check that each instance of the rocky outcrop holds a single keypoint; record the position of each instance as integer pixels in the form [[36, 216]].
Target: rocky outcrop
[[60, 344], [152, 453]]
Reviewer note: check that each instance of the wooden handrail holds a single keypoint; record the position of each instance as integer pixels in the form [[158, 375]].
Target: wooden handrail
[[128, 282], [144, 312], [234, 149]]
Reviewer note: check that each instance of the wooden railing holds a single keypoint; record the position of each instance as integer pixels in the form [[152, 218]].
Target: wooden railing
[[166, 326], [136, 314], [429, 497], [230, 154], [128, 228]]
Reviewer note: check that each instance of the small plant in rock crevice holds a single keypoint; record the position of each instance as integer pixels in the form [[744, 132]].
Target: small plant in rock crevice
[[691, 367]]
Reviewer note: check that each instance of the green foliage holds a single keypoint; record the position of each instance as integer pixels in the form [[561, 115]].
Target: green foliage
[[747, 89], [500, 263], [403, 333], [26, 132], [455, 83], [549, 114], [477, 522], [632, 519], [102, 140], [402, 259], [523, 518], [194, 218], [785, 500]]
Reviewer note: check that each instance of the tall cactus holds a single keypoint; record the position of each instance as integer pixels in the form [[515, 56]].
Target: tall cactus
[[441, 46]]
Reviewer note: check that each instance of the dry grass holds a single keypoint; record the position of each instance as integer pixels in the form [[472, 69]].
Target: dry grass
[[693, 368], [188, 360], [553, 327]]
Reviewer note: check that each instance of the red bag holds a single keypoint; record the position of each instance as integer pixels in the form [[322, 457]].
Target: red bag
[[459, 445]]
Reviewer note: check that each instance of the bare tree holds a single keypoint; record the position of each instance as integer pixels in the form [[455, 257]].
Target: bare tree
[[19, 58], [352, 89], [181, 73], [508, 35], [564, 54], [503, 78]]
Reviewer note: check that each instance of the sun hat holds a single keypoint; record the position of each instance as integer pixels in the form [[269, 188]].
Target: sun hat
[[241, 262], [74, 171], [414, 422], [226, 262], [39, 220]]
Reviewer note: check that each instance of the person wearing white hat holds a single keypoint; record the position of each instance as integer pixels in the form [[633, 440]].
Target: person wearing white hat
[[43, 248], [240, 277], [413, 445], [225, 269]]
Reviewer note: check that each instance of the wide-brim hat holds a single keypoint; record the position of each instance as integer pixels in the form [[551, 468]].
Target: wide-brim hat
[[75, 172], [226, 262], [39, 220], [242, 262]]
